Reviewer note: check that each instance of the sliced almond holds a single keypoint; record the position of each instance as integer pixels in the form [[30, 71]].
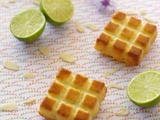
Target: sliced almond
[[12, 1], [130, 12], [142, 12], [113, 71], [147, 18], [79, 27], [10, 65], [93, 27], [31, 101], [4, 4], [107, 74], [28, 75], [36, 2], [114, 86], [122, 112], [8, 106], [44, 50], [67, 57]]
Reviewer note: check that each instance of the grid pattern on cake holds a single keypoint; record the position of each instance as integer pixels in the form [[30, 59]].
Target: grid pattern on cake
[[126, 38], [72, 97]]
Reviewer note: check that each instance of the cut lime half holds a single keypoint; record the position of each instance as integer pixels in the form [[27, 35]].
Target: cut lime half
[[144, 89], [28, 25], [57, 12]]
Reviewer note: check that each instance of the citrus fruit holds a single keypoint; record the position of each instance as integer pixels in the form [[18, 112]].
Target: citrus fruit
[[144, 89], [28, 25], [57, 12]]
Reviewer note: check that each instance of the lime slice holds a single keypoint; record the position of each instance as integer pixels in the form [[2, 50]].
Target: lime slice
[[28, 25], [144, 89], [57, 12]]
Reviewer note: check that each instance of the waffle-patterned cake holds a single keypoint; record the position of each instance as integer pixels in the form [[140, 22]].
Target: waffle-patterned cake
[[72, 97], [126, 39]]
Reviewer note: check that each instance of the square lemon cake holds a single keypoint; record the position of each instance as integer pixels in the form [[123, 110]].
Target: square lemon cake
[[72, 97], [126, 39]]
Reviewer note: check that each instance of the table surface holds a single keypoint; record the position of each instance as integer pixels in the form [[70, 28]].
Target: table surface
[[15, 88]]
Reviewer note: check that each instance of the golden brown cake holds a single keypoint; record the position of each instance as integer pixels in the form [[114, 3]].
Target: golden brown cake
[[126, 39], [72, 97]]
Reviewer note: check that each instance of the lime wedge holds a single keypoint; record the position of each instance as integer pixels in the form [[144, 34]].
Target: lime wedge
[[144, 89], [57, 12], [28, 25]]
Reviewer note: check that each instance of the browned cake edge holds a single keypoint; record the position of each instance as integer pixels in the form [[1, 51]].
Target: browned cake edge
[[44, 115]]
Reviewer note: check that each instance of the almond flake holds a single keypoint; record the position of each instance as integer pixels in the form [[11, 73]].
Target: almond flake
[[44, 50], [131, 12], [4, 4], [122, 112], [106, 75], [8, 106], [149, 19], [142, 12], [114, 86], [28, 75], [113, 71], [79, 27], [93, 27], [10, 65], [29, 101], [12, 1], [36, 2], [67, 57]]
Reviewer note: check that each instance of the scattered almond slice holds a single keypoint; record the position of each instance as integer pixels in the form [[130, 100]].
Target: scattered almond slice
[[8, 106], [12, 1], [4, 4], [36, 2], [79, 27], [67, 57], [113, 71], [44, 50], [142, 12], [122, 112], [131, 12], [107, 74], [93, 27], [28, 75], [150, 19], [10, 65], [114, 86], [30, 101]]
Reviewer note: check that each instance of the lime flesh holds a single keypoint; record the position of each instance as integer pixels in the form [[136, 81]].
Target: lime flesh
[[57, 12], [144, 89], [28, 25]]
